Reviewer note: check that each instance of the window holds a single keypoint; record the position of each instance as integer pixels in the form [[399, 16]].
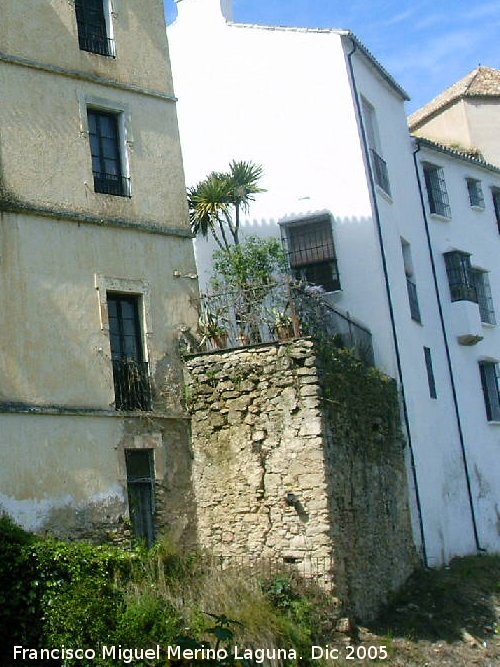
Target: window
[[130, 371], [483, 291], [460, 278], [410, 282], [496, 204], [140, 487], [93, 20], [475, 191], [436, 190], [312, 253], [107, 159], [379, 165], [430, 372], [489, 383]]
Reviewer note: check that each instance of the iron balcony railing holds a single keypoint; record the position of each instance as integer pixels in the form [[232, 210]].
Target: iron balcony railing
[[132, 385], [112, 184], [94, 42], [277, 311], [380, 172], [413, 299], [460, 276]]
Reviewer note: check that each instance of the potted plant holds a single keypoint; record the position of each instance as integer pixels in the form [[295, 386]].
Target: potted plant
[[282, 323], [211, 329]]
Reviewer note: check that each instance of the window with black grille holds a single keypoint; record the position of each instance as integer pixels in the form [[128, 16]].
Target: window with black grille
[[311, 253], [140, 487], [379, 166], [411, 285], [130, 370], [436, 190], [460, 278], [496, 205], [489, 383], [476, 198], [105, 148], [93, 31], [484, 298]]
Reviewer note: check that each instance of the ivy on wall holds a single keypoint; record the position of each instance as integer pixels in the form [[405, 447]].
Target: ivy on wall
[[361, 402]]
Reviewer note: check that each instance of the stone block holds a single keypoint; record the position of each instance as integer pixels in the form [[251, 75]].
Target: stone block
[[311, 427]]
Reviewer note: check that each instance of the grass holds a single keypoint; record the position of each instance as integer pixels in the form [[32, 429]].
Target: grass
[[447, 617], [278, 610], [440, 604]]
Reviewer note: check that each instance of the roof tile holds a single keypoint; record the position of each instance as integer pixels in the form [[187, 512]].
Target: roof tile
[[481, 82]]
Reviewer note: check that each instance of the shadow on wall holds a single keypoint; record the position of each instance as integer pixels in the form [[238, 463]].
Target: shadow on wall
[[350, 234]]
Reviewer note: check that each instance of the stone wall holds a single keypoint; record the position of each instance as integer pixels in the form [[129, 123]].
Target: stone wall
[[284, 470]]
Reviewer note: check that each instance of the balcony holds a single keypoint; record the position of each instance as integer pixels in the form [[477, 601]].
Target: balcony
[[276, 312], [380, 172], [112, 184], [466, 322], [132, 385], [93, 42]]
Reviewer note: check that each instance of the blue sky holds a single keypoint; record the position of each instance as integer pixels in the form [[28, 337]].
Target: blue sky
[[425, 44]]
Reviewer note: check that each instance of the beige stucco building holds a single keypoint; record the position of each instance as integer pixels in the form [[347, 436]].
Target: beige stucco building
[[465, 116], [96, 270]]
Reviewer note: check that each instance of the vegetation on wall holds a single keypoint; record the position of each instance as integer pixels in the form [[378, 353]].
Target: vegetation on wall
[[362, 401], [244, 295], [253, 264]]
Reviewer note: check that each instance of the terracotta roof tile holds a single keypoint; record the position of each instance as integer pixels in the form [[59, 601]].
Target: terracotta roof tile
[[481, 82]]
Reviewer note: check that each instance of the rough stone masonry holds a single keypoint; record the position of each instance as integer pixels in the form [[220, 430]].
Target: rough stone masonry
[[286, 471]]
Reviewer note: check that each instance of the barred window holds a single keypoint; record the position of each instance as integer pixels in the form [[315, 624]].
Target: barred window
[[430, 372], [105, 148], [379, 165], [411, 285], [436, 190], [475, 191], [130, 370], [484, 298], [460, 278], [93, 19], [496, 205], [311, 252], [140, 487], [489, 383]]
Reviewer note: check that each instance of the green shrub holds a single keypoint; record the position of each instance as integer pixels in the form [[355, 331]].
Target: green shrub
[[147, 620], [77, 595], [19, 614]]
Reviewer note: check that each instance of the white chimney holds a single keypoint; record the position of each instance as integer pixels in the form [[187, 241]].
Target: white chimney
[[205, 10]]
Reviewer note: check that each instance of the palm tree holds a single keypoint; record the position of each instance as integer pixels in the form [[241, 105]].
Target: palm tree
[[209, 207], [243, 183], [211, 201]]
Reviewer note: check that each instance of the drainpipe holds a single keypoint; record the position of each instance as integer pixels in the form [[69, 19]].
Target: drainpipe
[[448, 354], [376, 212]]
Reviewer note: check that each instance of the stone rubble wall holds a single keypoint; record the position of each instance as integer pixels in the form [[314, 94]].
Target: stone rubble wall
[[257, 436], [277, 476]]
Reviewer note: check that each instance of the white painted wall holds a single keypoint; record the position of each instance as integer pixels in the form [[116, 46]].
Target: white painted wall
[[283, 98], [474, 231]]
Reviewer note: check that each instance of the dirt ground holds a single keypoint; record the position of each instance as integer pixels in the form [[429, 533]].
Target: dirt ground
[[443, 618]]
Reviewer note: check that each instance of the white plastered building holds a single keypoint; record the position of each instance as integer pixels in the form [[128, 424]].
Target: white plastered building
[[328, 125]]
